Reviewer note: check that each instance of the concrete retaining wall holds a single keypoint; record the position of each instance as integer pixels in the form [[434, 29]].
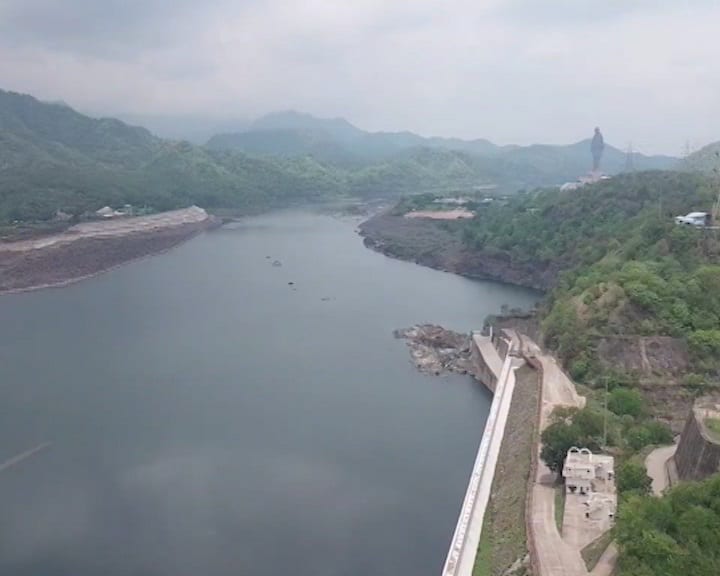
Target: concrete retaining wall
[[463, 547], [697, 455], [486, 360]]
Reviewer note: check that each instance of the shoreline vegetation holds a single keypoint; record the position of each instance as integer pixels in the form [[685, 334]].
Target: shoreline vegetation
[[631, 310], [625, 301]]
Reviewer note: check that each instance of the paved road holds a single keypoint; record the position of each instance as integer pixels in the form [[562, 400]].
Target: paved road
[[558, 389], [607, 562], [556, 557], [655, 464]]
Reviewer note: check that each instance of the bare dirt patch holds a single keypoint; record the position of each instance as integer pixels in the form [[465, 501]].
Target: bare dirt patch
[[441, 214]]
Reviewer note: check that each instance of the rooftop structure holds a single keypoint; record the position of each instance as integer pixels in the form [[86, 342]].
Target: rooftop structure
[[585, 472]]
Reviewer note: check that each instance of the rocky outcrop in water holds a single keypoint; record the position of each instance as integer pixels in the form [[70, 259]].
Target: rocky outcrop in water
[[435, 350]]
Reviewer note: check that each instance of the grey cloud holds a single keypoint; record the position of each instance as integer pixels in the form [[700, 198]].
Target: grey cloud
[[100, 27], [564, 12], [514, 71]]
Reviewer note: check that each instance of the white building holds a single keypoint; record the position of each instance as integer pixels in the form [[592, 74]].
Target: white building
[[105, 212], [583, 470]]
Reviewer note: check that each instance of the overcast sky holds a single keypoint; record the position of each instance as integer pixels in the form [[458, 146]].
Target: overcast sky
[[513, 71]]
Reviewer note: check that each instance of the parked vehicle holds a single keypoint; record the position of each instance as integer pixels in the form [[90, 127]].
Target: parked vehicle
[[697, 219]]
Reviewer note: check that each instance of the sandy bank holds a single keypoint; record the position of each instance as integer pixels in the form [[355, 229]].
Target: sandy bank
[[458, 214], [94, 247]]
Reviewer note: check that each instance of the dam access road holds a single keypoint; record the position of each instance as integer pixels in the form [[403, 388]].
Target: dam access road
[[496, 358]]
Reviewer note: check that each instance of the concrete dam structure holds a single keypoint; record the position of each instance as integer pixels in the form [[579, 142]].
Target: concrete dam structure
[[698, 453], [496, 357]]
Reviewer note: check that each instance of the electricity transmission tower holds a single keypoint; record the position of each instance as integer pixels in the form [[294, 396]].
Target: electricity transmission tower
[[629, 159]]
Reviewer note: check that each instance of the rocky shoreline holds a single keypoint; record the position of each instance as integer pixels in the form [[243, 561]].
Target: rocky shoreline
[[78, 254], [436, 350], [436, 245]]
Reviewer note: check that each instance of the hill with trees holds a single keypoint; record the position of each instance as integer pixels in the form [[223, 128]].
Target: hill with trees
[[626, 268], [674, 535], [53, 158], [339, 142], [707, 159]]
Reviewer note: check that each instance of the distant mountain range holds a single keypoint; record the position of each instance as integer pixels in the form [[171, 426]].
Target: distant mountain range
[[338, 142], [54, 158]]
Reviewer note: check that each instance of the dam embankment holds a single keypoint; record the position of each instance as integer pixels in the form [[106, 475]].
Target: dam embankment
[[496, 359]]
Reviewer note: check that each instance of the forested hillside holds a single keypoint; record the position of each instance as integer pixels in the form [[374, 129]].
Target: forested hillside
[[338, 142], [629, 269], [707, 159], [675, 535], [53, 158]]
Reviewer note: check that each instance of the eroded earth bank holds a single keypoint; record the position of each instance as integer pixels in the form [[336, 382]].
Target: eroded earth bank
[[90, 248]]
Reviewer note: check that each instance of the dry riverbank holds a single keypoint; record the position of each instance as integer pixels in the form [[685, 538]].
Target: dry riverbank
[[91, 248]]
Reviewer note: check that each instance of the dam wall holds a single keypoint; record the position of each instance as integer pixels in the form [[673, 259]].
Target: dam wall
[[487, 360], [698, 453], [499, 376]]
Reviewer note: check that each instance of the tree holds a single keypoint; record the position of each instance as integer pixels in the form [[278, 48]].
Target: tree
[[632, 477], [571, 427], [676, 535], [557, 439]]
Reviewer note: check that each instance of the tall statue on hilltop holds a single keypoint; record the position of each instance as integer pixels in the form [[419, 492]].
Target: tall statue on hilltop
[[597, 147]]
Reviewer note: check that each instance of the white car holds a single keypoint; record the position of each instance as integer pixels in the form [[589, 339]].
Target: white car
[[697, 219]]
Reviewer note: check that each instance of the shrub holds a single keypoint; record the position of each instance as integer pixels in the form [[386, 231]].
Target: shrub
[[632, 477], [638, 437], [658, 432], [624, 401]]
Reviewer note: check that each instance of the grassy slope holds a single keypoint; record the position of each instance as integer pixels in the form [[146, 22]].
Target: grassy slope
[[503, 539]]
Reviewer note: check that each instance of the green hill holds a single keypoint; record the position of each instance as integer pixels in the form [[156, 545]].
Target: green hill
[[707, 159], [626, 269], [53, 158], [566, 163], [338, 142]]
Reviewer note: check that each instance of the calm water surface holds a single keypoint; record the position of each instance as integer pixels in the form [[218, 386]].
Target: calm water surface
[[208, 418]]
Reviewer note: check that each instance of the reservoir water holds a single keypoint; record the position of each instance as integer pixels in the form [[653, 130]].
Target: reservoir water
[[207, 417]]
